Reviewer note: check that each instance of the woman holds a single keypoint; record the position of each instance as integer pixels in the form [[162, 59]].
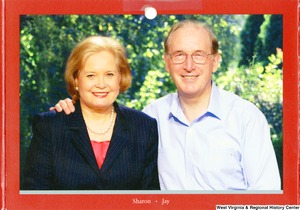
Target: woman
[[102, 145]]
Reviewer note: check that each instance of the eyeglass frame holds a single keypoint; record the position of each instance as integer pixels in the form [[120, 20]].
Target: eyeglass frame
[[186, 54]]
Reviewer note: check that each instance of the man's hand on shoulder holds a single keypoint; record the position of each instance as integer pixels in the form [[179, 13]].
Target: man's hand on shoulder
[[65, 105]]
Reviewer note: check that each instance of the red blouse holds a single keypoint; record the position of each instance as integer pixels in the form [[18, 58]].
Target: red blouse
[[100, 150]]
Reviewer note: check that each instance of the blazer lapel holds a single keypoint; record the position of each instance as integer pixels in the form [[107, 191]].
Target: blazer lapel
[[79, 137], [119, 140]]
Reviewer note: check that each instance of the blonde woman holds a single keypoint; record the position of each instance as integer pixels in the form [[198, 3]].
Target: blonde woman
[[102, 145]]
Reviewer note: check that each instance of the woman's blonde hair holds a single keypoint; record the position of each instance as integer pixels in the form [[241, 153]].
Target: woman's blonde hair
[[90, 46]]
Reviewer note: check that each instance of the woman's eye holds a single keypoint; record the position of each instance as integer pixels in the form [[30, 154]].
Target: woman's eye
[[90, 75], [110, 74]]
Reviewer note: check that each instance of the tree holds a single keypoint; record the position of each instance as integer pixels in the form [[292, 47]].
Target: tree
[[249, 36], [273, 36]]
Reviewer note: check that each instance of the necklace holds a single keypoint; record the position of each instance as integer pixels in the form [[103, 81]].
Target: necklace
[[109, 126]]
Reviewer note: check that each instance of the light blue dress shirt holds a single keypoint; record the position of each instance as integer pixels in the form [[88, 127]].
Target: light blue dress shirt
[[227, 148]]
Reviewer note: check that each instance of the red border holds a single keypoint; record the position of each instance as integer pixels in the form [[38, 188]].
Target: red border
[[2, 150], [15, 8], [299, 93]]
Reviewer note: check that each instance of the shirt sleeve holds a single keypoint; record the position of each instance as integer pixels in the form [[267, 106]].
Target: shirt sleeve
[[260, 164], [147, 110]]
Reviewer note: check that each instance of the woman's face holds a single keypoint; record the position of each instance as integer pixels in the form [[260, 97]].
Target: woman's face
[[98, 81]]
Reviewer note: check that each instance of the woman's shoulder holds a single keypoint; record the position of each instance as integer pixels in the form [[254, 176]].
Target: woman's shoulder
[[49, 116]]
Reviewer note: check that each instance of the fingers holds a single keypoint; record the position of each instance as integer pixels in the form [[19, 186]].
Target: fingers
[[70, 104], [65, 105], [57, 107]]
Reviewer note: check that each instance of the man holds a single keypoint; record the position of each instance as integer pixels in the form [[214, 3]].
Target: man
[[209, 139]]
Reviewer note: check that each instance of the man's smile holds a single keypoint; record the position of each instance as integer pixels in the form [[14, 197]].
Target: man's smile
[[189, 76]]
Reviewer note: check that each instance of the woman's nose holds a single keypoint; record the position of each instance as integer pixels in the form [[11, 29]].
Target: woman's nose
[[101, 83]]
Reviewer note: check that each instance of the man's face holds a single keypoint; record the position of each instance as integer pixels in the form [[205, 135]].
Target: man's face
[[191, 79]]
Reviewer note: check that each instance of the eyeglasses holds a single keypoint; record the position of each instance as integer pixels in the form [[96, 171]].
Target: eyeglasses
[[199, 57]]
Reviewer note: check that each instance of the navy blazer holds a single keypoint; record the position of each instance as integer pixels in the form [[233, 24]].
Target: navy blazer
[[61, 156]]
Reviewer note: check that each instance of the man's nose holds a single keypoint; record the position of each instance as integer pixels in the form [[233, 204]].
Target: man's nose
[[189, 64]]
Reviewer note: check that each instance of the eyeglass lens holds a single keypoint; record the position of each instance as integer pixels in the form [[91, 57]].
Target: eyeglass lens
[[198, 57]]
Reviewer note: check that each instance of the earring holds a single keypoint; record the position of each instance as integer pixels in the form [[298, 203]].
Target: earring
[[76, 88]]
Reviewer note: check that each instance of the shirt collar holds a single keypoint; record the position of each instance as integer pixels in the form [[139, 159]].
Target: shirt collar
[[214, 106], [176, 111]]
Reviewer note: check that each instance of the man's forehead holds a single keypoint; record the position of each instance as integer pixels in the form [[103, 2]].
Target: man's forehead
[[192, 27], [190, 37]]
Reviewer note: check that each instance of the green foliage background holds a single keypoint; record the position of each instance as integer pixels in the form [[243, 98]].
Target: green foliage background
[[251, 66]]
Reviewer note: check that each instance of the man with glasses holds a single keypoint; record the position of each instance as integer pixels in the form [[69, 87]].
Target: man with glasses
[[209, 139]]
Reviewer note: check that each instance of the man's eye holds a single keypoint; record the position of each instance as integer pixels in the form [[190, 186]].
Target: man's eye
[[178, 54], [198, 54]]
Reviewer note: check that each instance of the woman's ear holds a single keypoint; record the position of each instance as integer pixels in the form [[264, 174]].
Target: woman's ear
[[76, 82]]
